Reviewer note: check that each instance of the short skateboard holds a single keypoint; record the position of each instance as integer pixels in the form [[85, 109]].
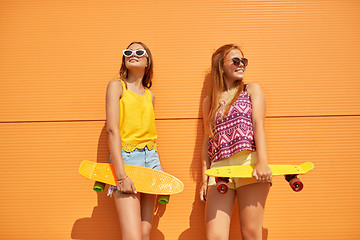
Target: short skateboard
[[222, 174], [146, 180]]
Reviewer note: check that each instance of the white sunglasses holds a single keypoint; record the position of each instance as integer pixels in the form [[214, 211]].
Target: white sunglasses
[[138, 52]]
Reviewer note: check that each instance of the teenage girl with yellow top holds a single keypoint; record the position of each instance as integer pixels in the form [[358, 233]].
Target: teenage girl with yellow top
[[130, 123]]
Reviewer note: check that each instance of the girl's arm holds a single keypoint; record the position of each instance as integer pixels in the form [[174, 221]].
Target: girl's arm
[[205, 163], [262, 171], [113, 95]]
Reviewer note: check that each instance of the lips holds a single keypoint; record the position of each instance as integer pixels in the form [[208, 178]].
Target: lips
[[133, 60]]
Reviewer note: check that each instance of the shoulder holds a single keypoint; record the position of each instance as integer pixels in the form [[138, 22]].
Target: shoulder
[[253, 86], [152, 95], [254, 89], [115, 83], [206, 104], [206, 101], [115, 86]]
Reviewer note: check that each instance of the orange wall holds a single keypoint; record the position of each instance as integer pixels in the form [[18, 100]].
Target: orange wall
[[56, 60]]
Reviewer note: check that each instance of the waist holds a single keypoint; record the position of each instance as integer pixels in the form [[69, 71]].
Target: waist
[[130, 146], [245, 157]]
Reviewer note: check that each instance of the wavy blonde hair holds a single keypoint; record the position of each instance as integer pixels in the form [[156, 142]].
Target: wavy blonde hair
[[217, 84]]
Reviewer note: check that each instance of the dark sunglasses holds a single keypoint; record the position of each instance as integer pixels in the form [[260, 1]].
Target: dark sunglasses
[[138, 53], [237, 61]]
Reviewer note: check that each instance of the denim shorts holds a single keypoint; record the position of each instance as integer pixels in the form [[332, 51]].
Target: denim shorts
[[139, 157], [142, 157]]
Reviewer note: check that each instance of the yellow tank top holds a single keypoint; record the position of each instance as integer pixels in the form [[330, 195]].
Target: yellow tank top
[[137, 120]]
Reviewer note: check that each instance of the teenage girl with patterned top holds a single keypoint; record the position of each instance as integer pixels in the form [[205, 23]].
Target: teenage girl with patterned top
[[130, 123], [233, 117]]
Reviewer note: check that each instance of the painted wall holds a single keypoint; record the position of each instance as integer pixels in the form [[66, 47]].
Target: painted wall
[[58, 56]]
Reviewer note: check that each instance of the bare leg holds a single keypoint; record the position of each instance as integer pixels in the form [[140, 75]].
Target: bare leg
[[128, 208], [251, 199], [147, 202], [218, 213]]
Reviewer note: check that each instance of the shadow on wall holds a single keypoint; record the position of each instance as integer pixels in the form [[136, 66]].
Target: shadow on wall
[[197, 229], [104, 223]]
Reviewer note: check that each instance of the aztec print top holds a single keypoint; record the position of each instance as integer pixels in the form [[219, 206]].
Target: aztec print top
[[233, 133]]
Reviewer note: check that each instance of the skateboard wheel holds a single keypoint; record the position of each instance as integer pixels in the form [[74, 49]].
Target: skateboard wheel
[[296, 184], [221, 184], [163, 199], [222, 187], [99, 187]]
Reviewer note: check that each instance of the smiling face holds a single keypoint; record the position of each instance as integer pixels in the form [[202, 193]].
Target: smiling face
[[230, 71]]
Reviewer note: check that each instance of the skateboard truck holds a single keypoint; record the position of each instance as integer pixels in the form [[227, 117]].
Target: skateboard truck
[[221, 184], [99, 187], [163, 199], [294, 182]]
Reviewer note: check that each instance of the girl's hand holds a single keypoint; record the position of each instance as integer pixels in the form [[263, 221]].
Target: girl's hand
[[203, 191], [262, 173], [126, 185]]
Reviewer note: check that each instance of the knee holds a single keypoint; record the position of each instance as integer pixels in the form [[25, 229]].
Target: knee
[[215, 235], [251, 232], [146, 230], [131, 235]]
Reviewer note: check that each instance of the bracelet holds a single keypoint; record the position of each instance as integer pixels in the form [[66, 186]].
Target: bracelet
[[121, 180]]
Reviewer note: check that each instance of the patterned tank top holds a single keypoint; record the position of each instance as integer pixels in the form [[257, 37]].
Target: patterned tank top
[[233, 133]]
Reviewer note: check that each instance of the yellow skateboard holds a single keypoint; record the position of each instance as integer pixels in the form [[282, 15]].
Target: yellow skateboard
[[222, 174], [146, 180]]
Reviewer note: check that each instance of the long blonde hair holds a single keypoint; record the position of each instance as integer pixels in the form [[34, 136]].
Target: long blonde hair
[[217, 85]]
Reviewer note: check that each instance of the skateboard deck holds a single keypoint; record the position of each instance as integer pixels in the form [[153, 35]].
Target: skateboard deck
[[289, 171], [146, 180], [247, 170]]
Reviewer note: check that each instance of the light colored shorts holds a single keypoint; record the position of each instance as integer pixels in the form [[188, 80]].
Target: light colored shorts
[[240, 158], [142, 157], [139, 157]]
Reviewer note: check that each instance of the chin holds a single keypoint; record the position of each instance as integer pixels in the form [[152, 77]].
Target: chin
[[239, 78], [134, 65]]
